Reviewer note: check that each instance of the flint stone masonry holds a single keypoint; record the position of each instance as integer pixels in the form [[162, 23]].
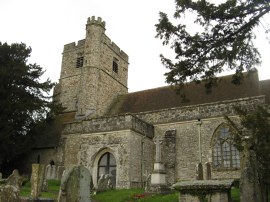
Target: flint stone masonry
[[132, 161], [109, 124], [210, 190], [80, 89], [210, 110]]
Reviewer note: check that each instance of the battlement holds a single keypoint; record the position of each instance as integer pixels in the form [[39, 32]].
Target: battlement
[[115, 48], [73, 45], [97, 21]]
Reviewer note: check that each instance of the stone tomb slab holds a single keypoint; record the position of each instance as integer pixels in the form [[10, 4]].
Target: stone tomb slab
[[210, 190]]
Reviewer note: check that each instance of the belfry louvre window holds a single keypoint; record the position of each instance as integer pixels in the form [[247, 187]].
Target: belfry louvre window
[[79, 62], [225, 155]]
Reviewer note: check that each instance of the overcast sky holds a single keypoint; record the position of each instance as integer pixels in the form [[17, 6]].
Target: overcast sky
[[46, 25]]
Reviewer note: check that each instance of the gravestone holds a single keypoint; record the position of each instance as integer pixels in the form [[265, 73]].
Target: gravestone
[[158, 177], [104, 183], [208, 174], [75, 185], [199, 171], [37, 179], [51, 172], [15, 179], [9, 193], [0, 176], [204, 190], [59, 172]]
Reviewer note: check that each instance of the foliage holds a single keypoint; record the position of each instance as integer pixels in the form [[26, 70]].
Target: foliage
[[224, 41], [53, 189], [257, 122], [255, 127], [24, 101]]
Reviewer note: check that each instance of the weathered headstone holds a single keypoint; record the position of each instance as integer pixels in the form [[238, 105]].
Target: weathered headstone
[[60, 170], [9, 193], [199, 171], [50, 173], [208, 174], [0, 176], [15, 179], [75, 185], [37, 179], [105, 183]]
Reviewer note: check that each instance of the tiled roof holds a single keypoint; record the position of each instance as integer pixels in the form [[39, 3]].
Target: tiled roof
[[166, 97]]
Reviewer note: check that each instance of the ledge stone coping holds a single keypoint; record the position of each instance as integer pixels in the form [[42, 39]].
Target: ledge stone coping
[[203, 185]]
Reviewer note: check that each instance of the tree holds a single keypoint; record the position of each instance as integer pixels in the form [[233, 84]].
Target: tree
[[224, 42], [252, 138], [24, 101]]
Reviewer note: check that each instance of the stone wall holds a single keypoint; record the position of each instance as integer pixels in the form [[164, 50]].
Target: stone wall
[[110, 124], [201, 111], [42, 156], [90, 89], [127, 147]]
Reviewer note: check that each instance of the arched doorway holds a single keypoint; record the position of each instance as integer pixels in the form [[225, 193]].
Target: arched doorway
[[107, 165]]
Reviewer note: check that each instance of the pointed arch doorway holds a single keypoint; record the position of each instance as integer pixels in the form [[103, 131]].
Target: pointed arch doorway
[[107, 165]]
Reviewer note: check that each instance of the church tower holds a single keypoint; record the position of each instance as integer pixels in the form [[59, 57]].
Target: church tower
[[94, 72]]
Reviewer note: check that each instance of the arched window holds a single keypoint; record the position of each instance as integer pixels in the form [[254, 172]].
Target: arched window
[[225, 154], [107, 165]]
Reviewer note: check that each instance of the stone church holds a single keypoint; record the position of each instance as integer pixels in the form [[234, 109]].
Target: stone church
[[109, 130]]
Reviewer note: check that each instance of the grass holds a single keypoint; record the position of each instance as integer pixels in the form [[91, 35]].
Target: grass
[[134, 195], [53, 189], [122, 195]]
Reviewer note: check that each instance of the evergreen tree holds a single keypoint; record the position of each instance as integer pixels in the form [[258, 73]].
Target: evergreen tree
[[224, 42], [24, 101], [257, 123]]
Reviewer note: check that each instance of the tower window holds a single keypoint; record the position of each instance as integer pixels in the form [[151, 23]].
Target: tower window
[[79, 62], [115, 66]]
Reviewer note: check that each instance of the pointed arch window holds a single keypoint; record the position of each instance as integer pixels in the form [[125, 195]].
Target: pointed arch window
[[224, 153], [107, 165]]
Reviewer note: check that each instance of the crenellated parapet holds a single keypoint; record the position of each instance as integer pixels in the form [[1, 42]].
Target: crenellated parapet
[[115, 48], [98, 21], [73, 45]]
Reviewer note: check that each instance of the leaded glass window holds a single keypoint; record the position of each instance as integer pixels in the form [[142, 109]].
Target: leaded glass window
[[107, 165], [225, 154]]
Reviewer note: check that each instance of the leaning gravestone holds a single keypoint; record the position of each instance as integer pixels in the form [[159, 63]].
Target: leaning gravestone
[[15, 179], [37, 178], [75, 185]]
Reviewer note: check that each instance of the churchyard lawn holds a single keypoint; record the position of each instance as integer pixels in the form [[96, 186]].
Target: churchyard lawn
[[124, 195]]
